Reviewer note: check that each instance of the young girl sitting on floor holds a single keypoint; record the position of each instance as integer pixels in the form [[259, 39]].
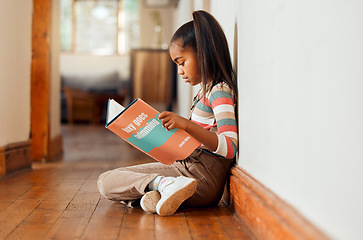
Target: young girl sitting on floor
[[200, 50]]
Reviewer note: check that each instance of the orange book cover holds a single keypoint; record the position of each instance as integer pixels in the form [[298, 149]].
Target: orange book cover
[[140, 126]]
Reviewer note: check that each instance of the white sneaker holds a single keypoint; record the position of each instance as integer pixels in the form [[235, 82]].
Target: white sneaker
[[173, 193], [149, 200]]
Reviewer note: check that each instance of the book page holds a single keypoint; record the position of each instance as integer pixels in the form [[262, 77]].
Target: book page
[[113, 109]]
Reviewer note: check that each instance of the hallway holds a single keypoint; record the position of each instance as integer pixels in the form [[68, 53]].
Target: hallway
[[60, 200]]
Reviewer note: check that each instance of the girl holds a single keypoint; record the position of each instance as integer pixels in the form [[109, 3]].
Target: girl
[[200, 50]]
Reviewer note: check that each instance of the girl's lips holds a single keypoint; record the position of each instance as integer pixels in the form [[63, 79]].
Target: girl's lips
[[185, 80]]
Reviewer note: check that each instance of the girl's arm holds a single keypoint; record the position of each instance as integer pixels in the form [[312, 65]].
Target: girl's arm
[[171, 120]]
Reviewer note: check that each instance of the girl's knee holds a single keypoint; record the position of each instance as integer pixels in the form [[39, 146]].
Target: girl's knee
[[102, 185], [207, 194]]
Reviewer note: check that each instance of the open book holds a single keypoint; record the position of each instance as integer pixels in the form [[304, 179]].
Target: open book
[[139, 125]]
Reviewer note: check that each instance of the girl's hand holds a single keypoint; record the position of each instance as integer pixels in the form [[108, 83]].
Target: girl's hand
[[171, 120]]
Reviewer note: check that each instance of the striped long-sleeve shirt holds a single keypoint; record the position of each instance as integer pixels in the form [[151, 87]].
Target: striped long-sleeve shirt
[[215, 112]]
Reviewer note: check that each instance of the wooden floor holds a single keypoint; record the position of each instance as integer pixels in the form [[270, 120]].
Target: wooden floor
[[60, 200]]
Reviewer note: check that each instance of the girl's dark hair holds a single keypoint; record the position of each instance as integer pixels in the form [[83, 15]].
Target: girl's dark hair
[[205, 36]]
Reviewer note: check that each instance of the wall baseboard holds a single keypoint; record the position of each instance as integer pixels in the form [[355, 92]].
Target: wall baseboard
[[265, 214], [14, 157], [55, 147]]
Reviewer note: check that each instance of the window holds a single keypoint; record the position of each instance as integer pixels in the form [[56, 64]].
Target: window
[[100, 27]]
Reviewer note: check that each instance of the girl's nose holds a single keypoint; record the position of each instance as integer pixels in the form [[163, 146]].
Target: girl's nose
[[180, 71]]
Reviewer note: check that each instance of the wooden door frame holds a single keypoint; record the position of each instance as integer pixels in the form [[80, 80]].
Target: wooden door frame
[[40, 79]]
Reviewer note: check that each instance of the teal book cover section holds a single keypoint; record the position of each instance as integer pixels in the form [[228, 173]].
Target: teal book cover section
[[151, 136]]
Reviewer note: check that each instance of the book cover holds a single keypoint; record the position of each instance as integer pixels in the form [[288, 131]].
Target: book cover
[[139, 125]]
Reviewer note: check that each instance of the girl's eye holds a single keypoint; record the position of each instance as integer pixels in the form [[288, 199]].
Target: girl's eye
[[181, 64]]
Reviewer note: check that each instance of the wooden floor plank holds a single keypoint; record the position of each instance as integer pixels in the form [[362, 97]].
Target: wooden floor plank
[[138, 219], [136, 224], [14, 214], [172, 227], [57, 201], [84, 201], [70, 225], [29, 231], [36, 225], [131, 234], [203, 224], [43, 216], [233, 226], [4, 203], [105, 221]]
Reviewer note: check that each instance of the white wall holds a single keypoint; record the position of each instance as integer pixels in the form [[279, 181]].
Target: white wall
[[55, 85], [147, 25], [182, 15], [300, 73], [15, 65]]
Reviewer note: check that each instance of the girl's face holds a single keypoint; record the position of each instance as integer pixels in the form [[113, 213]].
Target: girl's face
[[187, 62]]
